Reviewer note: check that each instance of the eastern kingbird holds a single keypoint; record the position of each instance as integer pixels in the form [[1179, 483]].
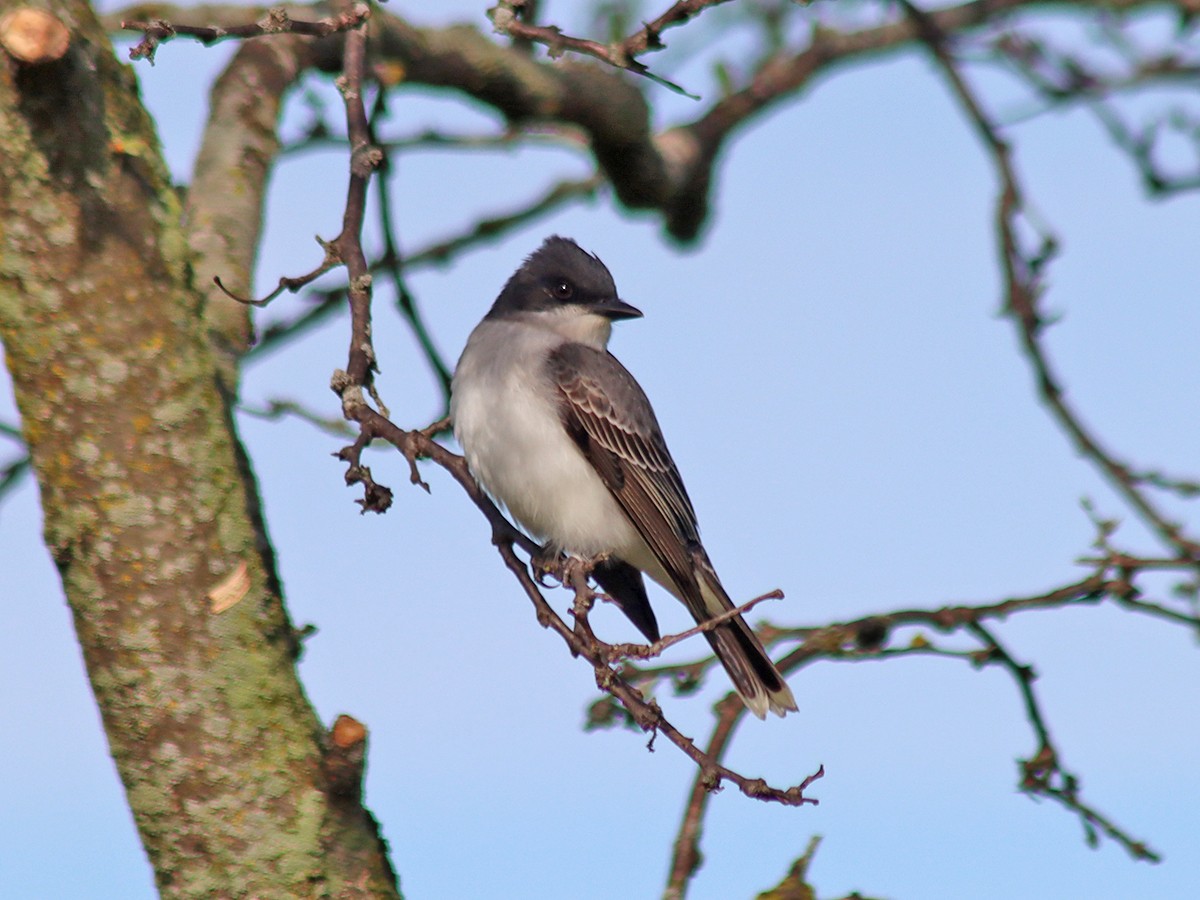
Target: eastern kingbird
[[557, 430]]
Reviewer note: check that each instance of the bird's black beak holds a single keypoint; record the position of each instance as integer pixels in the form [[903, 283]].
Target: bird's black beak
[[616, 309]]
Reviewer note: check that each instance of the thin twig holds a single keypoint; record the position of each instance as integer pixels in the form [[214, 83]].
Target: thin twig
[[279, 334], [1187, 488], [330, 302], [1022, 276], [12, 473], [1043, 774], [393, 263], [277, 409], [649, 651], [276, 21], [510, 140], [505, 19], [864, 639], [649, 37], [292, 284], [490, 228]]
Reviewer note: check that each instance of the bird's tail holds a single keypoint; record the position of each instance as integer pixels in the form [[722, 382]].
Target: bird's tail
[[755, 677]]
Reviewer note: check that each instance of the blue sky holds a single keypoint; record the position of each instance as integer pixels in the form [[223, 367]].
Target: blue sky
[[855, 426]]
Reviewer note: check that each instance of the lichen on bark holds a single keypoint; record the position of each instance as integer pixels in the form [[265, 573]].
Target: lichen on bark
[[148, 502]]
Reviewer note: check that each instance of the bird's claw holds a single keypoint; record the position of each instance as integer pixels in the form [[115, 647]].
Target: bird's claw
[[546, 564]]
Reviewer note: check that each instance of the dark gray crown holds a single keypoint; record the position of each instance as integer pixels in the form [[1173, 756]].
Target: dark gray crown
[[559, 272]]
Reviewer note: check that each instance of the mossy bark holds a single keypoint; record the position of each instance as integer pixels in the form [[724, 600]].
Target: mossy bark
[[148, 502]]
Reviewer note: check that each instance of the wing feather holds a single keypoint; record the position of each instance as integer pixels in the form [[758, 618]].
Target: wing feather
[[612, 422]]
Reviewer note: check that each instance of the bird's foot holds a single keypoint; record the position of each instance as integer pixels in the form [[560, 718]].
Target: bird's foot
[[567, 570], [547, 562]]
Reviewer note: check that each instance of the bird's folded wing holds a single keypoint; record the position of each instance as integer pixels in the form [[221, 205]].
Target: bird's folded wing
[[607, 414]]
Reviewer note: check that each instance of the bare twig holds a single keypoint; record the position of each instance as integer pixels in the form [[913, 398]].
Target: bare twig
[[330, 302], [558, 195], [1022, 275], [1187, 488], [649, 37], [865, 639], [364, 158], [506, 20], [393, 263], [290, 283], [278, 409], [508, 141], [12, 472], [1042, 774], [646, 713], [276, 21], [618, 652]]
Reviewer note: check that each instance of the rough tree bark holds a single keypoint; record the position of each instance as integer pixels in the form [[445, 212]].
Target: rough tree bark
[[149, 503]]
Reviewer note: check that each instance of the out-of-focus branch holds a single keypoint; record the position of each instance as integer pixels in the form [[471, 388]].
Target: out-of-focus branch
[[330, 302], [1058, 77], [277, 409], [506, 20], [224, 205], [393, 264], [795, 884], [276, 21], [670, 172], [1187, 488], [1142, 148], [509, 140], [489, 228], [1042, 773], [1112, 580], [279, 334], [1022, 271], [685, 855], [11, 474], [866, 639]]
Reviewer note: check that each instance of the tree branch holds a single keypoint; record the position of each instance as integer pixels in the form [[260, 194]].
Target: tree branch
[[621, 56], [1022, 275], [670, 172], [276, 21]]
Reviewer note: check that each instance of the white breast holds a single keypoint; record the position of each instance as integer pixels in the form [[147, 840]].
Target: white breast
[[506, 419]]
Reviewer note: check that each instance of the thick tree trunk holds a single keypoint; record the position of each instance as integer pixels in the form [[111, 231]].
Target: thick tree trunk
[[148, 505]]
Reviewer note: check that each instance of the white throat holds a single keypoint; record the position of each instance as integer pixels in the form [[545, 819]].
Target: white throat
[[575, 324]]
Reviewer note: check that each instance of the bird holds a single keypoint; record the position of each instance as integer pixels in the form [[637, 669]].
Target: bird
[[557, 431]]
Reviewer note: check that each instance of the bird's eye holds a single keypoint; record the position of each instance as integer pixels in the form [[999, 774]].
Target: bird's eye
[[562, 289]]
